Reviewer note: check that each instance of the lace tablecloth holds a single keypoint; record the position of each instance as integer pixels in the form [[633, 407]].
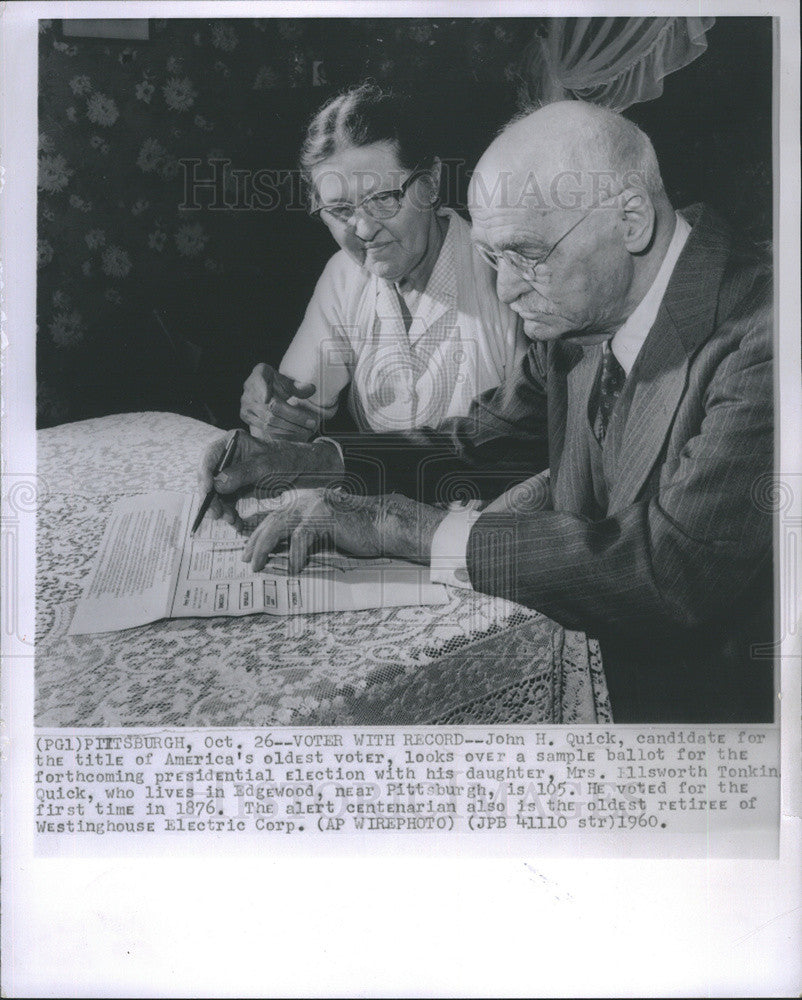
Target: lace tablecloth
[[475, 659]]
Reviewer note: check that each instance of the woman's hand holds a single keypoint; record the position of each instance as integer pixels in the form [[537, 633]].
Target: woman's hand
[[272, 405], [362, 526]]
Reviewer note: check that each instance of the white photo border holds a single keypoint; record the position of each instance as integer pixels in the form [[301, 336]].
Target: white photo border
[[379, 924]]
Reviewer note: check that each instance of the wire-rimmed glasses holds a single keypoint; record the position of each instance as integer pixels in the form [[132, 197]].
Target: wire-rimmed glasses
[[525, 266]]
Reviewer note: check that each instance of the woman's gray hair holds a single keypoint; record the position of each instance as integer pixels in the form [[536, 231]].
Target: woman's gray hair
[[361, 116]]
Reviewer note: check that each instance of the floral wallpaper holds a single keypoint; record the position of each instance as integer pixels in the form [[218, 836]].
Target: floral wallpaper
[[117, 118]]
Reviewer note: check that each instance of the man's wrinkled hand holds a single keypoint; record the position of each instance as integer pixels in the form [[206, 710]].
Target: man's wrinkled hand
[[273, 407], [264, 468], [310, 519]]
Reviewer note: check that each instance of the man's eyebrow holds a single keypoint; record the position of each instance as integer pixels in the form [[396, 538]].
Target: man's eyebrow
[[524, 245]]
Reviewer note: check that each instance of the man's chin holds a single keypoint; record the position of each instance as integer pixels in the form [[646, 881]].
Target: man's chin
[[557, 330], [536, 329], [585, 338]]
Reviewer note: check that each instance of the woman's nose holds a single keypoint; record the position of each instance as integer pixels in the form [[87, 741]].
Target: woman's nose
[[364, 226]]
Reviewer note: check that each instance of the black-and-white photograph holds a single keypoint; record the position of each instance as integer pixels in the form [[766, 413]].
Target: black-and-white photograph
[[463, 328]]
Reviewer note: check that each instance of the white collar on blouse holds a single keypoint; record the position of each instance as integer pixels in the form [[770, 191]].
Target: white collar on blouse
[[440, 292]]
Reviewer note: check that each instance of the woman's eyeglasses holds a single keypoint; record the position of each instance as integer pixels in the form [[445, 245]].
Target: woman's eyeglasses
[[380, 206]]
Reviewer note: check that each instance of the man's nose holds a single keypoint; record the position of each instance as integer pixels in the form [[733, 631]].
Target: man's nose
[[510, 284]]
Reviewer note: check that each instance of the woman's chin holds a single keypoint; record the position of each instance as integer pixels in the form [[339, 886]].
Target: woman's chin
[[385, 269]]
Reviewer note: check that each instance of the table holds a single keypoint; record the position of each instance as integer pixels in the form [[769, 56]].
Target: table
[[474, 660]]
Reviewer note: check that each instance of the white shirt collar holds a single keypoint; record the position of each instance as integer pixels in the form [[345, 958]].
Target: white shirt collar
[[629, 338]]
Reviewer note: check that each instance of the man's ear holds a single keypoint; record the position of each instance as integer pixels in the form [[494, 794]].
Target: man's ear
[[639, 219]]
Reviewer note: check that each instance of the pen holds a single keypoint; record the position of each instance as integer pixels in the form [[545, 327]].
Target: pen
[[224, 462]]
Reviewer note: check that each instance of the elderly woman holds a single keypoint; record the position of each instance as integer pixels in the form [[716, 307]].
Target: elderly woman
[[405, 314]]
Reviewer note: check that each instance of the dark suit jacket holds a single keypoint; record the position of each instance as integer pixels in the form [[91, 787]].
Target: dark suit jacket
[[674, 574]]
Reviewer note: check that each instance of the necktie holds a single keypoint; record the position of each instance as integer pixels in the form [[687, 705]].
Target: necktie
[[611, 382]]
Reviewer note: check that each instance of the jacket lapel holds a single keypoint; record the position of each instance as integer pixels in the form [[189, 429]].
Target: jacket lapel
[[636, 435], [659, 376]]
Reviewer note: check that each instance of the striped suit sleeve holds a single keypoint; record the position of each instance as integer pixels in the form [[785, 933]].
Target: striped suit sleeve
[[501, 441]]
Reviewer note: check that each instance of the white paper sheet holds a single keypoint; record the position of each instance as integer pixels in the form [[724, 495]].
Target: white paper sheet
[[149, 567]]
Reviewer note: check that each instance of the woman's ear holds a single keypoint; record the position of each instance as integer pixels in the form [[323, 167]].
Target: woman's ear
[[639, 217], [435, 173]]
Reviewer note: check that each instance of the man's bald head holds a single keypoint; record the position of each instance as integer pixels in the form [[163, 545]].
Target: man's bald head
[[567, 154], [568, 205]]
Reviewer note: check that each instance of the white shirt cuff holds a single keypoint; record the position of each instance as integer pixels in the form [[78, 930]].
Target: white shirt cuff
[[449, 556]]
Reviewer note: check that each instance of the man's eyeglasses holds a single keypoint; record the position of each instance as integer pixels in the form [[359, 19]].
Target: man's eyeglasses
[[527, 267], [380, 205]]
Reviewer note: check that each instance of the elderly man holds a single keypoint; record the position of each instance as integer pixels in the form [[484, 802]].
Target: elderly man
[[644, 405]]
